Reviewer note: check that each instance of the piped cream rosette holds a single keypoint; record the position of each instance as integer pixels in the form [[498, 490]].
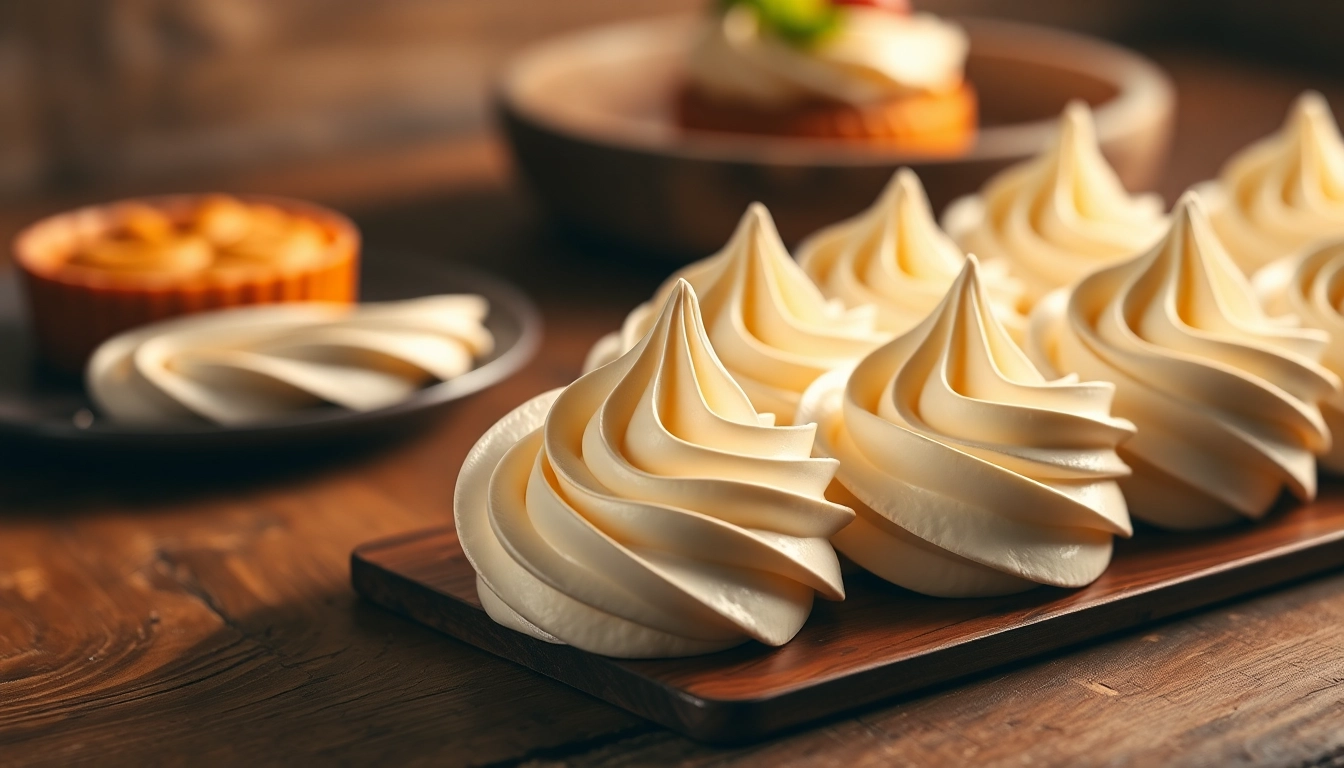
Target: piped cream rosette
[[1059, 216], [255, 364], [1282, 193], [647, 509], [894, 257], [971, 473], [1313, 294], [1226, 400], [770, 325]]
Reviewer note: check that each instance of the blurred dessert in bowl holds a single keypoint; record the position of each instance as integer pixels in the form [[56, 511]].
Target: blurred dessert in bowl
[[94, 272], [598, 119], [857, 70]]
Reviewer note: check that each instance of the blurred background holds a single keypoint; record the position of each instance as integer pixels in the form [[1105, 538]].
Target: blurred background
[[349, 102]]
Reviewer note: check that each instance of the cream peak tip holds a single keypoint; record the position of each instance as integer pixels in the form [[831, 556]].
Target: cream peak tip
[[1311, 120], [904, 182], [1075, 122], [681, 299], [969, 279], [681, 289], [1189, 206], [1190, 219], [755, 220], [681, 295], [755, 223], [758, 214], [1310, 104], [965, 291]]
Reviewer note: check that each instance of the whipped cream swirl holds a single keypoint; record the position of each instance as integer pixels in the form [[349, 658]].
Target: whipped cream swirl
[[1283, 192], [256, 364], [769, 323], [873, 56], [895, 257], [1059, 216], [647, 509], [1313, 294], [971, 473], [1226, 400]]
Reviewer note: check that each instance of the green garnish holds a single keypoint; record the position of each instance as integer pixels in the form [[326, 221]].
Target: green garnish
[[797, 22]]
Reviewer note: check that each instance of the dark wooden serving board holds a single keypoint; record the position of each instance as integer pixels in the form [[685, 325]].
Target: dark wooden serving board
[[882, 640]]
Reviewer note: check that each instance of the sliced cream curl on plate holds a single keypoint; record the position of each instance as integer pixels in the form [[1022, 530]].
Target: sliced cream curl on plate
[[257, 364], [648, 510], [769, 323], [971, 474], [1057, 217], [895, 257], [1226, 400], [1284, 192]]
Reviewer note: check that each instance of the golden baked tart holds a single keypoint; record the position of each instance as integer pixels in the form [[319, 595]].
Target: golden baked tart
[[94, 272]]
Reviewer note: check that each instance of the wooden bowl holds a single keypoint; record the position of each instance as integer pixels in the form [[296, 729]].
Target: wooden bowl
[[590, 120]]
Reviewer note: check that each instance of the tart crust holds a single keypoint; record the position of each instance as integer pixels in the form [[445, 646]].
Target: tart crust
[[941, 123], [74, 307]]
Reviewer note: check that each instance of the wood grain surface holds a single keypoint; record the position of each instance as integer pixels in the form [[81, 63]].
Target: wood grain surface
[[879, 641], [201, 613]]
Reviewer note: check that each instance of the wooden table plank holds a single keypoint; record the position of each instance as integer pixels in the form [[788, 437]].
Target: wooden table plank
[[219, 622], [152, 613], [1260, 682]]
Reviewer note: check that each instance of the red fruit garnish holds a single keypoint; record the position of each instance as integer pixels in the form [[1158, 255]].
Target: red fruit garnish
[[895, 6]]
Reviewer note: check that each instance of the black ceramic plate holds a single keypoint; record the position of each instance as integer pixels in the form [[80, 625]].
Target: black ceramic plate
[[38, 407]]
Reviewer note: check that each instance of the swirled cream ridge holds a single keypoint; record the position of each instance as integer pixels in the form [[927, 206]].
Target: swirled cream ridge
[[894, 257], [1226, 400], [874, 55], [255, 364], [647, 509], [1314, 295], [1057, 217], [770, 325], [1284, 192], [971, 473]]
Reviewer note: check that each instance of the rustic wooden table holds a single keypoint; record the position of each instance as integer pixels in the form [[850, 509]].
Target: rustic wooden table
[[202, 613]]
